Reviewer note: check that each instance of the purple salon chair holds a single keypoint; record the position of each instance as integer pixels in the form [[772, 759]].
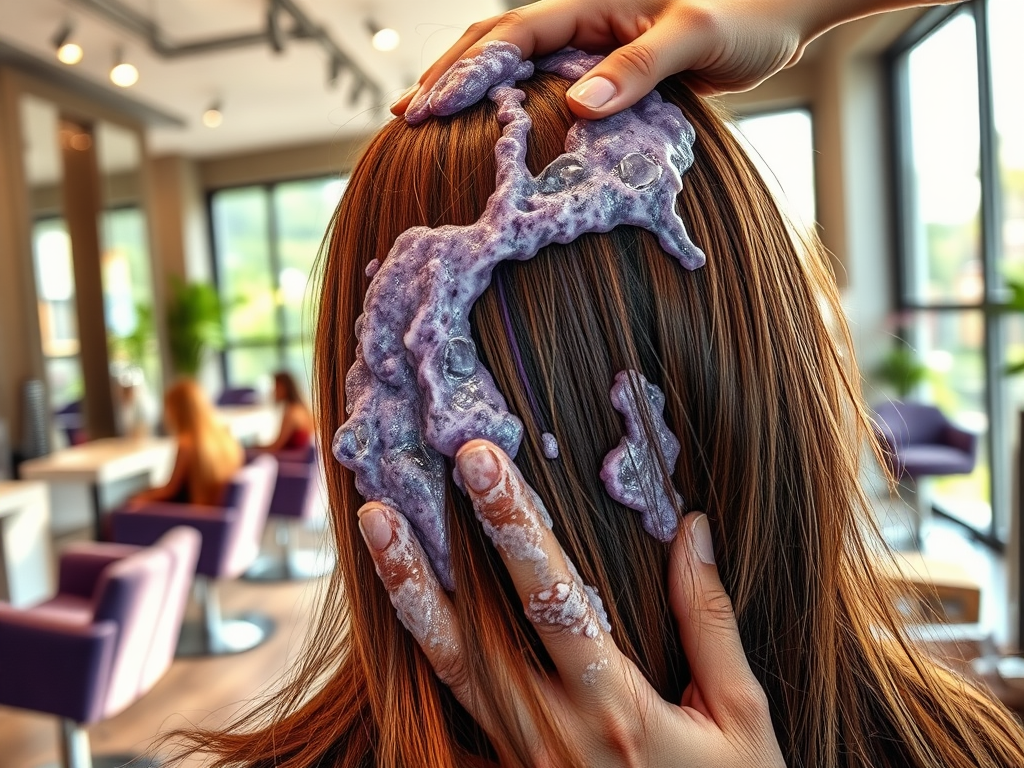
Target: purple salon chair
[[298, 500], [920, 442], [238, 396], [231, 541], [103, 641]]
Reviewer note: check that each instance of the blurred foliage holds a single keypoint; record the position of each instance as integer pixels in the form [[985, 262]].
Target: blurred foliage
[[194, 324], [135, 347], [1014, 304], [901, 369]]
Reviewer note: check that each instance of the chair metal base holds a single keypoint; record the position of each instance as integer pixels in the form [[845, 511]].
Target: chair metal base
[[112, 761], [75, 752], [236, 635], [214, 635], [290, 563]]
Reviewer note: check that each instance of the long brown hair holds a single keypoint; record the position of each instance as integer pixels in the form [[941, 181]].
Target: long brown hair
[[764, 397], [216, 454]]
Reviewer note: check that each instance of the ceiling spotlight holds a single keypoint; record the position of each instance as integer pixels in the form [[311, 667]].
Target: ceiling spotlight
[[213, 117], [382, 38], [67, 51], [122, 73]]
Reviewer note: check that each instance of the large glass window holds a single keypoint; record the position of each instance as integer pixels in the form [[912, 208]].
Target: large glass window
[[266, 239], [960, 151], [781, 145]]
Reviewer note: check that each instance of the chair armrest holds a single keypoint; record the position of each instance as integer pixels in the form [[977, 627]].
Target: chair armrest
[[147, 524], [82, 564], [960, 439], [55, 666], [144, 526]]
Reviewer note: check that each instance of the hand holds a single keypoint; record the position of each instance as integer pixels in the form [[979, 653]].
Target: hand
[[721, 45], [598, 696]]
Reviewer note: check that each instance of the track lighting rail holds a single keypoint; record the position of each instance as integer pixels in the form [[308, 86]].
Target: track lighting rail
[[274, 34]]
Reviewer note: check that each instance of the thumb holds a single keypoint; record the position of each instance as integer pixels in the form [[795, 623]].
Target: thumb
[[707, 626], [630, 72]]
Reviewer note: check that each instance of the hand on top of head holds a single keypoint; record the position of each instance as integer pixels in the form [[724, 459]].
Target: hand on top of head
[[607, 712], [727, 45]]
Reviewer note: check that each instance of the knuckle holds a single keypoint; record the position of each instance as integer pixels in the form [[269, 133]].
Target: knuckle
[[450, 670], [718, 608], [512, 18], [640, 58], [701, 19], [479, 28], [624, 735], [749, 702]]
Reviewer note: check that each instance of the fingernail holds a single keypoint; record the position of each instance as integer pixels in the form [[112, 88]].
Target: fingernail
[[408, 92], [700, 540], [376, 529], [593, 93], [480, 469]]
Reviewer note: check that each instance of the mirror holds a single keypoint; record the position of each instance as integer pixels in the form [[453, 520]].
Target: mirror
[[52, 259], [127, 278]]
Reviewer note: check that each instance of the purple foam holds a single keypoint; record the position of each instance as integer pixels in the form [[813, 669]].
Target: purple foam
[[550, 445], [417, 391], [631, 471]]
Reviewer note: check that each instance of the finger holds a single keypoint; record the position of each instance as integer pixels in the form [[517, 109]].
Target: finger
[[707, 626], [472, 35], [632, 71], [567, 614], [420, 601], [535, 29]]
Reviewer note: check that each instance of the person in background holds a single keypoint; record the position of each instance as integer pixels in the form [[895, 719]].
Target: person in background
[[208, 455], [296, 430]]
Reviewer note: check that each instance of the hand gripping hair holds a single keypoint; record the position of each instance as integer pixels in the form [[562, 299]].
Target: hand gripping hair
[[417, 391]]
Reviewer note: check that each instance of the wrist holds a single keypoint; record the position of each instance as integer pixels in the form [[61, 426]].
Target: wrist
[[816, 17]]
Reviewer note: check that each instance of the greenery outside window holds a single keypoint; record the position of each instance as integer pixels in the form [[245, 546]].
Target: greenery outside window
[[959, 150], [265, 242]]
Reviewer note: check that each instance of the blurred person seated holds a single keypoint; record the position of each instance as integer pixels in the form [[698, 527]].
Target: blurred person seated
[[296, 431], [208, 454]]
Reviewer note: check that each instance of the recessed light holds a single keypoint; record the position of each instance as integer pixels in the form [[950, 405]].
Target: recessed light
[[70, 53], [67, 51], [213, 117], [385, 39]]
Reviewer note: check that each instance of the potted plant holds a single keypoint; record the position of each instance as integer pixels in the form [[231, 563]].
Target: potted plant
[[901, 369], [194, 324]]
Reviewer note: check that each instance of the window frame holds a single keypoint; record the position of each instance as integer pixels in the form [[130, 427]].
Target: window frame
[[282, 339], [990, 215], [798, 106]]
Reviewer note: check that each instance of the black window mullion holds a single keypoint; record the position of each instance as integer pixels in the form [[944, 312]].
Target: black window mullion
[[991, 214], [215, 272], [904, 236], [273, 233]]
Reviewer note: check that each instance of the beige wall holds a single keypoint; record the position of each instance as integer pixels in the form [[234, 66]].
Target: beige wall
[[21, 355]]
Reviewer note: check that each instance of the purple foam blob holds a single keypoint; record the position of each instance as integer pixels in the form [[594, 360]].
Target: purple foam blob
[[550, 445], [417, 391], [631, 471]]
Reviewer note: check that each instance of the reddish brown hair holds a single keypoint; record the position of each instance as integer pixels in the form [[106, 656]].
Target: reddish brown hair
[[762, 394], [217, 455]]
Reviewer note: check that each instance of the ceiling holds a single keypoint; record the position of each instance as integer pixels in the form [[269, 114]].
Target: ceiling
[[267, 99]]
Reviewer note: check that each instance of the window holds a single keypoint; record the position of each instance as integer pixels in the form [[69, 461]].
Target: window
[[781, 146], [960, 154], [266, 239]]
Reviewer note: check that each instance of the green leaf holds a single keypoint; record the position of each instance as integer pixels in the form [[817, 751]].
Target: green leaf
[[195, 324]]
